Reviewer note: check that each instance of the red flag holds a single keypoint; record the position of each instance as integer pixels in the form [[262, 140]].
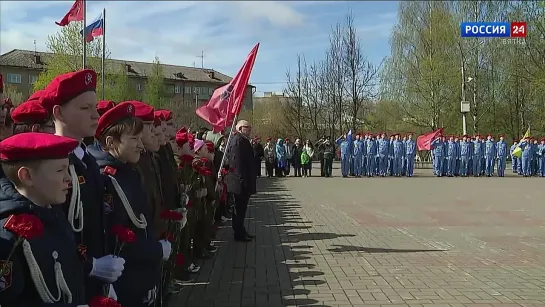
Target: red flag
[[423, 142], [226, 101], [74, 14]]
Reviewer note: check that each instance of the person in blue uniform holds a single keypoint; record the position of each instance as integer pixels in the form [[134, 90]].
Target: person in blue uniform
[[345, 155], [452, 155], [36, 181], [383, 152], [371, 155], [526, 146], [404, 158], [71, 100], [541, 158], [438, 147], [489, 155], [514, 159], [444, 162], [410, 153], [390, 167], [501, 155], [398, 151], [358, 156], [465, 151], [364, 155], [119, 135], [457, 140], [478, 153], [535, 159]]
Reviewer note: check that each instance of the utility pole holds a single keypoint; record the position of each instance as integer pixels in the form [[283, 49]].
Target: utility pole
[[463, 103], [202, 59]]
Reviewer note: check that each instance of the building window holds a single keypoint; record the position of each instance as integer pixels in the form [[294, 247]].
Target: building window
[[32, 79], [177, 89], [14, 78], [139, 86], [210, 91], [188, 90]]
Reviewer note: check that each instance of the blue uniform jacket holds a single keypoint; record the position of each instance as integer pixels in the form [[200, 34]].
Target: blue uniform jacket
[[501, 150], [143, 257], [16, 286], [371, 148], [398, 149], [478, 149], [410, 148], [437, 147], [489, 149], [383, 147]]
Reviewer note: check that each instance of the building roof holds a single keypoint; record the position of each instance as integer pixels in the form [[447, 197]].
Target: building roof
[[27, 59]]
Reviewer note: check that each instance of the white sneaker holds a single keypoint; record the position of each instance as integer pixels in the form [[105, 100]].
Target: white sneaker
[[193, 268]]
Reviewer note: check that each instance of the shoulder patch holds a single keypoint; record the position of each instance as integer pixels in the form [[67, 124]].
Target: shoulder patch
[[81, 179], [6, 268]]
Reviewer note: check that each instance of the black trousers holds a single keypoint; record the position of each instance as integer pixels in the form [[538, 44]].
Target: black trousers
[[239, 214]]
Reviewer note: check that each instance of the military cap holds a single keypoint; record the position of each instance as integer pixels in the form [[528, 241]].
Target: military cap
[[166, 115], [501, 136], [67, 86], [36, 146], [36, 95], [104, 105], [29, 112], [183, 136], [143, 111], [114, 115]]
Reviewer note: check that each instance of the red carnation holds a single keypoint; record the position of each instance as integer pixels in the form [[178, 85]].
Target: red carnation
[[124, 234], [25, 226], [180, 259], [171, 215], [167, 236], [206, 172], [224, 172], [204, 160], [102, 301]]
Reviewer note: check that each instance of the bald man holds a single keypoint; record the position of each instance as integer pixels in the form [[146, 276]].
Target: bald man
[[242, 181]]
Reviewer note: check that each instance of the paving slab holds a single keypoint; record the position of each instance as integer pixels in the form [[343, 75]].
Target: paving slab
[[420, 241]]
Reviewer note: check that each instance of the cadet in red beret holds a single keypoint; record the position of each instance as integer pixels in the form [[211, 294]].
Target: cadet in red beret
[[36, 164], [119, 133], [104, 105], [71, 100], [31, 116]]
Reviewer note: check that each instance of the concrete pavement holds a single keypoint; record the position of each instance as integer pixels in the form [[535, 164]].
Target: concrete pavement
[[421, 241]]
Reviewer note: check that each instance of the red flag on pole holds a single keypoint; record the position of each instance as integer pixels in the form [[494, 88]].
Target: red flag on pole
[[423, 142], [226, 101], [74, 14]]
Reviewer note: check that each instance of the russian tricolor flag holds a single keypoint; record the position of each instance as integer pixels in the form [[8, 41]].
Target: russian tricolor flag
[[94, 29]]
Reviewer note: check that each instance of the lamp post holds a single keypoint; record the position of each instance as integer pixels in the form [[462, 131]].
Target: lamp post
[[464, 104]]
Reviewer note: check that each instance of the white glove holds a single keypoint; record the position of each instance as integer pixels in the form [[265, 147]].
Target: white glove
[[111, 292], [167, 249], [183, 222], [150, 298], [107, 268]]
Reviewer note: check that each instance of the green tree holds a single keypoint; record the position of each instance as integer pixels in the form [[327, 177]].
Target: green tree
[[118, 86], [12, 92], [156, 91], [66, 50]]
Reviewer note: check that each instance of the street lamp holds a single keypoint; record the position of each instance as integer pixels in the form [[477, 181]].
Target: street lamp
[[464, 104]]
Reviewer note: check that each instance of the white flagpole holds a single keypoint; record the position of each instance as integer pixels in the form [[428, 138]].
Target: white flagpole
[[84, 54], [103, 72]]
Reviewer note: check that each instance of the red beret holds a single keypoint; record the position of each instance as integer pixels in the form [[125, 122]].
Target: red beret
[[157, 118], [143, 111], [501, 135], [36, 95], [36, 146], [182, 137], [29, 112], [1, 84], [269, 138], [114, 115], [68, 86], [166, 115], [104, 105]]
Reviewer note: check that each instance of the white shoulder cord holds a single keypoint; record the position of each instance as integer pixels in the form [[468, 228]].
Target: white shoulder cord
[[139, 223], [75, 210], [39, 281]]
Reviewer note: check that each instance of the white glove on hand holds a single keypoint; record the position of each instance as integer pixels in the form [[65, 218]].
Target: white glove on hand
[[167, 249], [111, 292], [107, 268], [150, 297], [183, 222]]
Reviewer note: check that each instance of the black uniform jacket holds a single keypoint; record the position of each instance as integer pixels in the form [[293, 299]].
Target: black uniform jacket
[[143, 257], [92, 237], [169, 177], [241, 157], [16, 286]]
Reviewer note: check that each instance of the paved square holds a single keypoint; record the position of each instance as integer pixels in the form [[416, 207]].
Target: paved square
[[420, 241]]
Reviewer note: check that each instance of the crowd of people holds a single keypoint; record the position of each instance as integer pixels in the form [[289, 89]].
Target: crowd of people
[[109, 204], [370, 155]]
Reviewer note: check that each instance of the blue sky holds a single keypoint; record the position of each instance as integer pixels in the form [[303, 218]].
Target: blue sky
[[177, 31]]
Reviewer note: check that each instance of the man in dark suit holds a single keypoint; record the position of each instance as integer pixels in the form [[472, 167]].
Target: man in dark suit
[[242, 181]]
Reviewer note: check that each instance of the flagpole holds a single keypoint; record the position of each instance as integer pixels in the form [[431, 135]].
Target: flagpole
[[84, 54], [103, 49]]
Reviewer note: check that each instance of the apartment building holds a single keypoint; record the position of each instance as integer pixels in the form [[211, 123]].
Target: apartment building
[[188, 85]]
